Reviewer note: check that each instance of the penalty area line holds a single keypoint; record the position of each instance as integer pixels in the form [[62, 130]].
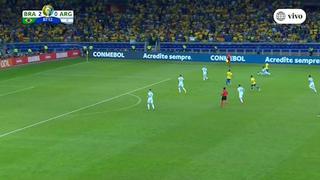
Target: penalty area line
[[80, 109], [119, 109]]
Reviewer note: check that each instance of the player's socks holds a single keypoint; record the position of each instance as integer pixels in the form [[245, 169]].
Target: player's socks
[[179, 90], [184, 89], [153, 106], [148, 106], [314, 89]]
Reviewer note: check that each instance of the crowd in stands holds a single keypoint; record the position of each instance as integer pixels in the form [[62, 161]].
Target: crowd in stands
[[165, 20]]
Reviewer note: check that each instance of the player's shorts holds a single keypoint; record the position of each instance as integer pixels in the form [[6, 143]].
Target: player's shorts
[[224, 98], [253, 85], [150, 101], [228, 80], [241, 95], [180, 85], [311, 85]]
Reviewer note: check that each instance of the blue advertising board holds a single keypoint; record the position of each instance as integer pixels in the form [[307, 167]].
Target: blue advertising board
[[199, 57]]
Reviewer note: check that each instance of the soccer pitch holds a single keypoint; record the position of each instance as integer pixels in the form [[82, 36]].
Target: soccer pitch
[[77, 120]]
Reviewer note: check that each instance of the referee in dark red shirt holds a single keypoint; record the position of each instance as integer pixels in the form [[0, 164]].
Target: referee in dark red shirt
[[224, 96]]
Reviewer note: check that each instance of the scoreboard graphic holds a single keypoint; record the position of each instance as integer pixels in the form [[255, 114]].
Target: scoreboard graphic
[[47, 15]]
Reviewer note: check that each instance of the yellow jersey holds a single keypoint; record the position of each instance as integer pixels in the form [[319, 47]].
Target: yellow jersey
[[267, 66], [253, 81], [229, 75]]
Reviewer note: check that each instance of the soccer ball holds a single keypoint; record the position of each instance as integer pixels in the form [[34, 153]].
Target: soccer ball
[[47, 10]]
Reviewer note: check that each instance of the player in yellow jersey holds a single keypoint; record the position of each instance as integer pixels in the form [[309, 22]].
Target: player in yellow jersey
[[229, 77], [254, 83], [266, 66]]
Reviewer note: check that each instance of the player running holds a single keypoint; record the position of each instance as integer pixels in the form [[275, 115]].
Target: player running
[[229, 77], [224, 97], [228, 60], [150, 100], [181, 84], [241, 93], [205, 73], [311, 84], [254, 84]]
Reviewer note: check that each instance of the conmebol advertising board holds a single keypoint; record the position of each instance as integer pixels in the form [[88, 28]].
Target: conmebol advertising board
[[199, 57]]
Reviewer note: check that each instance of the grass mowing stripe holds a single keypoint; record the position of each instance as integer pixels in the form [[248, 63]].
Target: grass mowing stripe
[[38, 73], [80, 109], [16, 91]]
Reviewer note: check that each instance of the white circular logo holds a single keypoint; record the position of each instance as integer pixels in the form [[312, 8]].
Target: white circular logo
[[281, 16]]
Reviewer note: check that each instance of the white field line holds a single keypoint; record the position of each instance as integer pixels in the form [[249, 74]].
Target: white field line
[[79, 109], [132, 106], [119, 109], [16, 91]]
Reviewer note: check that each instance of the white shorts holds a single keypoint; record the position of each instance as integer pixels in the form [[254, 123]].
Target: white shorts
[[181, 85], [311, 85], [205, 74], [241, 95], [150, 101]]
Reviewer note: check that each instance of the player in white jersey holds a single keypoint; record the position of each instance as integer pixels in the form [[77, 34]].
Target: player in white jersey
[[205, 73], [241, 93], [150, 100], [311, 84], [181, 84]]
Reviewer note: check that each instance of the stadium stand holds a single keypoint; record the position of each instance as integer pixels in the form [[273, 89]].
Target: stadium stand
[[168, 20], [227, 25]]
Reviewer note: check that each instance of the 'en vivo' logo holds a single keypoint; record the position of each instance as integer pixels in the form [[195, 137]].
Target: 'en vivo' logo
[[289, 16]]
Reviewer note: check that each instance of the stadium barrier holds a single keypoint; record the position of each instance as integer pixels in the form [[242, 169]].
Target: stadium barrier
[[261, 48], [14, 61], [200, 57]]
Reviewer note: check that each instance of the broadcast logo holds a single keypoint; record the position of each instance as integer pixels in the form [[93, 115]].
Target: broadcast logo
[[47, 15], [289, 16]]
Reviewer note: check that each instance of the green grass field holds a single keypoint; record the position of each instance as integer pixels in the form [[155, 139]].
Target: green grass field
[[77, 120]]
